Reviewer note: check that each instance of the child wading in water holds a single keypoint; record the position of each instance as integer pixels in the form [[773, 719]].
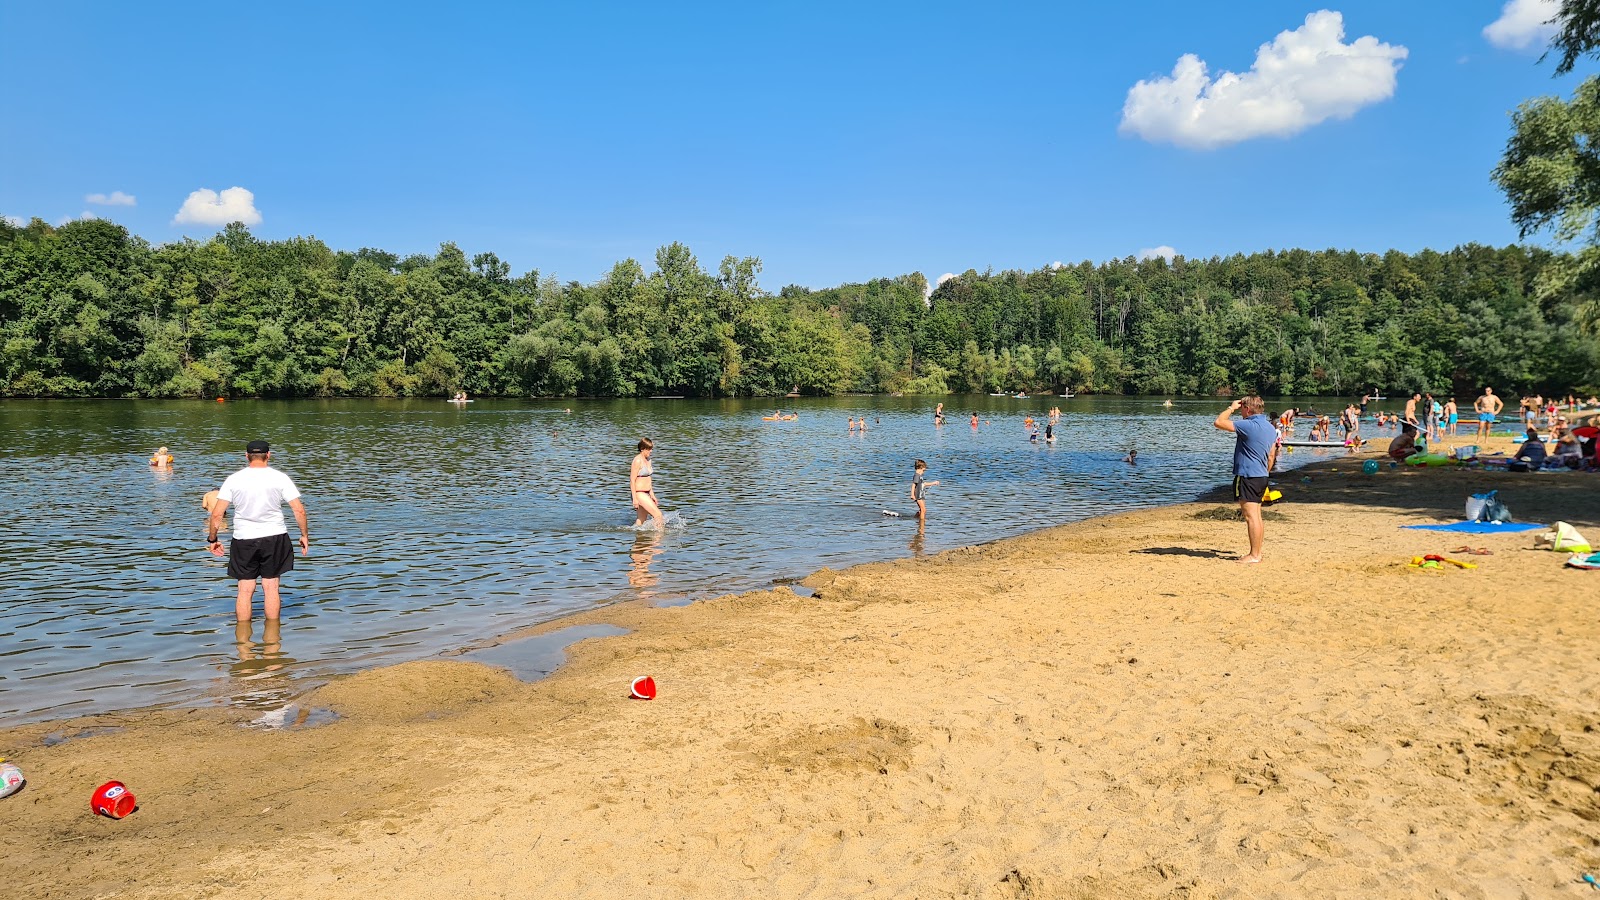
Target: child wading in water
[[919, 489]]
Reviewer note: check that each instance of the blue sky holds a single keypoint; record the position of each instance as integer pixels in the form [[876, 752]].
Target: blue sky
[[836, 141]]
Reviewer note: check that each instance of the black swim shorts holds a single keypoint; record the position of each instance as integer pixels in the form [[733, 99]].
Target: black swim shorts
[[267, 557], [1250, 490]]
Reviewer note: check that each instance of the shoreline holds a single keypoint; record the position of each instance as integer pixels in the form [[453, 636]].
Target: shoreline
[[1100, 708], [219, 701]]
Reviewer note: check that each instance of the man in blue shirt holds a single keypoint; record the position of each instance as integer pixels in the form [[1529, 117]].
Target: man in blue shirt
[[1255, 451]]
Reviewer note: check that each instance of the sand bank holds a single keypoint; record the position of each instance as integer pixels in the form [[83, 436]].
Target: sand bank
[[1105, 709]]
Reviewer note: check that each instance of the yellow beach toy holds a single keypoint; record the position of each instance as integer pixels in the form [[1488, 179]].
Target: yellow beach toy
[[1435, 561]]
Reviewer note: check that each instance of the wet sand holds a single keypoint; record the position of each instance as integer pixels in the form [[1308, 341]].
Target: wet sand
[[1111, 708]]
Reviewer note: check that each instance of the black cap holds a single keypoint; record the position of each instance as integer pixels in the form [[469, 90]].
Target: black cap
[[257, 447]]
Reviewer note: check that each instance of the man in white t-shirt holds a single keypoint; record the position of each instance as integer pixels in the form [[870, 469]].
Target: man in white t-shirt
[[260, 547]]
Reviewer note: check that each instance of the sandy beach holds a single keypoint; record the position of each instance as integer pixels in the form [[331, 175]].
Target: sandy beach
[[1106, 709]]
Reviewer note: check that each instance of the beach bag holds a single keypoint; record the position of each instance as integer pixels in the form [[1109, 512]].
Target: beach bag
[[1566, 539], [1475, 505], [1494, 511]]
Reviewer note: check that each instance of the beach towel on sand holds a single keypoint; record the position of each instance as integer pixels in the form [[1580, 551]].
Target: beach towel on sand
[[1479, 527], [1592, 561]]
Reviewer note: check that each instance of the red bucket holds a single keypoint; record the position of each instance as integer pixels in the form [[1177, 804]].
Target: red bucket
[[644, 688], [112, 799]]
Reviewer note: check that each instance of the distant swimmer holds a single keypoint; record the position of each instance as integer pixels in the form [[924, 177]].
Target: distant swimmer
[[640, 483], [460, 397], [938, 414], [162, 459], [974, 420], [1132, 458], [1050, 432], [919, 488], [1167, 403]]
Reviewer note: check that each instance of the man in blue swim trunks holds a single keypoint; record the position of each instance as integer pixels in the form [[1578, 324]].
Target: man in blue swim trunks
[[1255, 451], [1488, 406]]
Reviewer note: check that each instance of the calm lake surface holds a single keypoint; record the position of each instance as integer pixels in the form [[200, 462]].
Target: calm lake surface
[[437, 527]]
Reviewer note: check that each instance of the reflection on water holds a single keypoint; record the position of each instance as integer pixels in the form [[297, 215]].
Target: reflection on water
[[646, 546], [438, 525], [260, 675]]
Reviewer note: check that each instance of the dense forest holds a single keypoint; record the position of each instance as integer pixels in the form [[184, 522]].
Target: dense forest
[[86, 309]]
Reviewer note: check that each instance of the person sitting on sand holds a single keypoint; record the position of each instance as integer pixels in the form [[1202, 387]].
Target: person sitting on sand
[[1567, 450], [1532, 450], [162, 460], [1404, 445]]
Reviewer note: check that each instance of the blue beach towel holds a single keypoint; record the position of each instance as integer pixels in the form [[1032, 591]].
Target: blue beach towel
[[1480, 527]]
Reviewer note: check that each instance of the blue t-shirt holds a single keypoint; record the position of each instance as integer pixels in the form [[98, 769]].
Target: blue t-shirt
[[1254, 439]]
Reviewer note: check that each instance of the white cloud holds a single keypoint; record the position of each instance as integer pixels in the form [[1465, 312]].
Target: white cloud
[[14, 221], [115, 198], [1163, 251], [80, 217], [1522, 24], [207, 207], [1058, 264], [1302, 78], [942, 279]]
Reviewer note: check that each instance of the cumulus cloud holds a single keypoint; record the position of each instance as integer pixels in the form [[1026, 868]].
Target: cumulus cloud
[[1304, 77], [1163, 251], [14, 221], [1058, 264], [207, 207], [1522, 24], [115, 198], [80, 217]]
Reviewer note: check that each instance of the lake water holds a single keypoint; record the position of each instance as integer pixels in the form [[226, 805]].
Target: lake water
[[436, 527]]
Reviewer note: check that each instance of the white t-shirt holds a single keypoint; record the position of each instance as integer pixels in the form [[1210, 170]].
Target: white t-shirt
[[257, 495]]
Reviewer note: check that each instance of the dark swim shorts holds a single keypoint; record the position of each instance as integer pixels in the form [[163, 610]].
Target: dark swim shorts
[[267, 557], [1250, 490]]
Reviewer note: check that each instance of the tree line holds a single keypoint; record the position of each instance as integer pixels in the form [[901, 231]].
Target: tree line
[[87, 309]]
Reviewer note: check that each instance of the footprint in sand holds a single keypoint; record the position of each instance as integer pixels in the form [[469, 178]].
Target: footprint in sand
[[1373, 757]]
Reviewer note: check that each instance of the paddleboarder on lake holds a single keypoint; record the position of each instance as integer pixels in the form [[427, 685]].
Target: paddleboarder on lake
[[260, 548]]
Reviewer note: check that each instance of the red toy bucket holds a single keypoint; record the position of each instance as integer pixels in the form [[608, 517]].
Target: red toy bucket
[[112, 799], [644, 688]]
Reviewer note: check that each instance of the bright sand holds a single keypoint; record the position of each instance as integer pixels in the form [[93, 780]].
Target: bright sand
[[1105, 709]]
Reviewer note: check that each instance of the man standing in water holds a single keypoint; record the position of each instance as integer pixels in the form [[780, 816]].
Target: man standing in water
[[1487, 407], [1255, 450], [260, 546]]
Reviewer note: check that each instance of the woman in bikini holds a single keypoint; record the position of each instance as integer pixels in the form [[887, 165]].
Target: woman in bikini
[[639, 482]]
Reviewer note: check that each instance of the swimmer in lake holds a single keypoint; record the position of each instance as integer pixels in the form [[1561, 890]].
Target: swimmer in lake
[[938, 414], [162, 460], [1132, 458], [640, 483]]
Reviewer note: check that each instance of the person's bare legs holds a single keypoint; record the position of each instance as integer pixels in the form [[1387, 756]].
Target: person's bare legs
[[271, 603], [241, 606], [645, 505], [1254, 528]]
